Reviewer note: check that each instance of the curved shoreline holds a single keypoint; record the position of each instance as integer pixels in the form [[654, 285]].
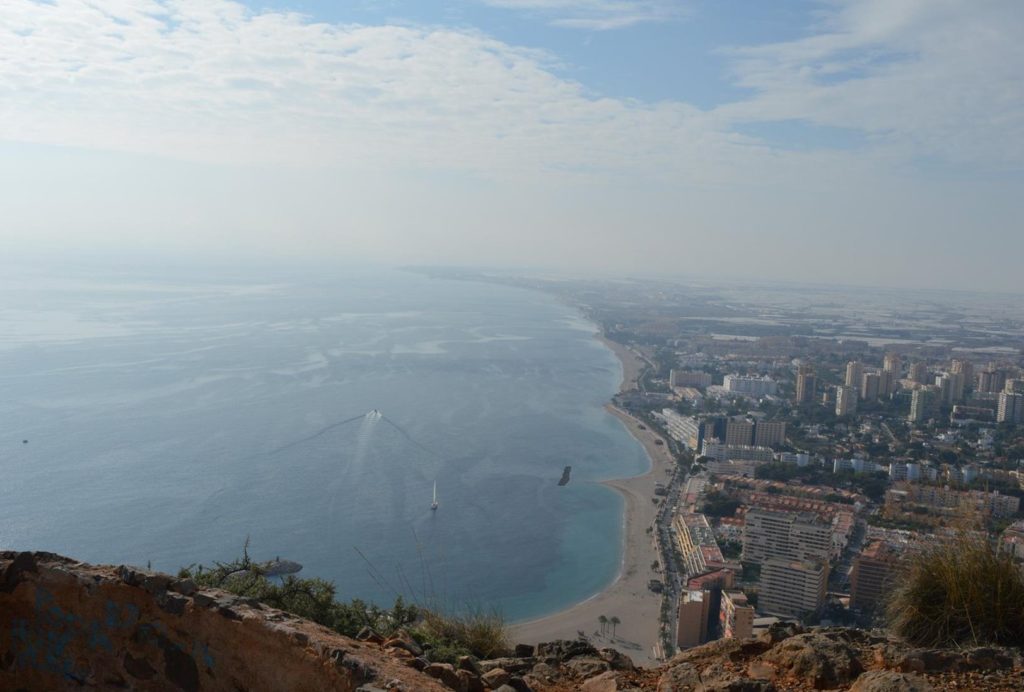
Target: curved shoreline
[[627, 596]]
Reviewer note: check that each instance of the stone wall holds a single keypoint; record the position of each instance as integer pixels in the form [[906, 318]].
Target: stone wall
[[66, 624]]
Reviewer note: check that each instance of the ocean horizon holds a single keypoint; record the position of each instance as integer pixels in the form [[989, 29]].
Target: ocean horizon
[[151, 418]]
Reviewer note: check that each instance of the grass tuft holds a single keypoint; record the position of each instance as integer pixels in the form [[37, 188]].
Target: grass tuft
[[959, 592]]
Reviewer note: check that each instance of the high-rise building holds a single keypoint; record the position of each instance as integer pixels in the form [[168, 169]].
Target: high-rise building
[[769, 433], [951, 387], [919, 373], [894, 364], [791, 588], [870, 386], [1011, 408], [1014, 387], [887, 383], [736, 616], [854, 373], [739, 432], [965, 368], [789, 535], [921, 404], [806, 384], [846, 400], [872, 576], [692, 628], [991, 380]]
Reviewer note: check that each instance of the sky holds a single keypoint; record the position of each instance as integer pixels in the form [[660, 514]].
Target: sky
[[849, 141]]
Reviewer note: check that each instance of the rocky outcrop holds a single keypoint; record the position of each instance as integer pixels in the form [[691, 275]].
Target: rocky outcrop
[[66, 624], [784, 658]]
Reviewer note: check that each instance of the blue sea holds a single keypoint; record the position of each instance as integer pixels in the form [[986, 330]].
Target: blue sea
[[165, 416]]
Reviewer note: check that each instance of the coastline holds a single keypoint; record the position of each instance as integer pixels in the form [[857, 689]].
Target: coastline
[[627, 596]]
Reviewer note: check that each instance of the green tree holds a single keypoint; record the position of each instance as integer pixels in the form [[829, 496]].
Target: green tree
[[614, 620]]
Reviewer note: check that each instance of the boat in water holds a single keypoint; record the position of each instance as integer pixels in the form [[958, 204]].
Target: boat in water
[[433, 505]]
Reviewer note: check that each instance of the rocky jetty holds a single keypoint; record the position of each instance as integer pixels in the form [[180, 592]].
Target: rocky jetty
[[566, 474], [66, 624]]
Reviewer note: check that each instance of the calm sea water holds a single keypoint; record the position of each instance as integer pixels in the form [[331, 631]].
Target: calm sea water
[[168, 417]]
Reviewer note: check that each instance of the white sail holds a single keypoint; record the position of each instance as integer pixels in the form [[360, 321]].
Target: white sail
[[433, 505]]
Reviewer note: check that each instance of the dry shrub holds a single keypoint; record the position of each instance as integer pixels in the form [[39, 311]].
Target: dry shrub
[[958, 592]]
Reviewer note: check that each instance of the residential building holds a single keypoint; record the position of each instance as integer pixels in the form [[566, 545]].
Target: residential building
[[696, 543], [792, 588], [806, 384], [965, 368], [991, 380], [894, 364], [694, 610], [794, 536], [919, 373], [750, 386], [855, 465], [854, 373], [1014, 386], [686, 430], [846, 400], [736, 616], [689, 378], [723, 452], [870, 384], [887, 381], [1011, 408], [739, 431], [769, 433], [921, 403], [872, 575]]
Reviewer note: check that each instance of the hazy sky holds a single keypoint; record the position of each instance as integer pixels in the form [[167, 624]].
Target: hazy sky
[[860, 141]]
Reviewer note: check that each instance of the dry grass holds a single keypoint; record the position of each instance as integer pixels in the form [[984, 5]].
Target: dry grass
[[959, 592], [482, 633]]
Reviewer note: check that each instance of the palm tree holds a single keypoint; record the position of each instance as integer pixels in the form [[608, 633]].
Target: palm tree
[[615, 621], [604, 622]]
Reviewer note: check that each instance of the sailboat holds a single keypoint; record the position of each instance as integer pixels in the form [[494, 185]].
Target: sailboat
[[433, 505]]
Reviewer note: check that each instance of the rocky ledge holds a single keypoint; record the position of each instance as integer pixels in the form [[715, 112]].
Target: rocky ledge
[[66, 624]]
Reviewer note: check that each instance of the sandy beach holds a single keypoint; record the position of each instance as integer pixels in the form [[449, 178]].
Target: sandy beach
[[628, 597]]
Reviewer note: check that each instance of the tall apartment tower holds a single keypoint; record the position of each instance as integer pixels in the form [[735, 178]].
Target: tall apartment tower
[[846, 400], [1011, 408], [792, 589], [894, 364], [886, 383], [806, 384], [991, 379], [965, 368], [919, 373], [769, 433], [802, 537], [872, 577], [870, 386], [920, 404], [793, 551], [739, 431], [854, 373]]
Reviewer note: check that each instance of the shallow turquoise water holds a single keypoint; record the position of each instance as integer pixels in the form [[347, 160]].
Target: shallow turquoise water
[[170, 415]]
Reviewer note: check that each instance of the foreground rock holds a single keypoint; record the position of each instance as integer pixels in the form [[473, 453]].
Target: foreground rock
[[66, 624]]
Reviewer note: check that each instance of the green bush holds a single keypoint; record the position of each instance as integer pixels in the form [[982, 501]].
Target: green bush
[[959, 592], [445, 634]]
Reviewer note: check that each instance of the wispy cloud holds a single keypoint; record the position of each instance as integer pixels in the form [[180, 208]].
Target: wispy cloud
[[938, 80], [598, 15], [209, 80]]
